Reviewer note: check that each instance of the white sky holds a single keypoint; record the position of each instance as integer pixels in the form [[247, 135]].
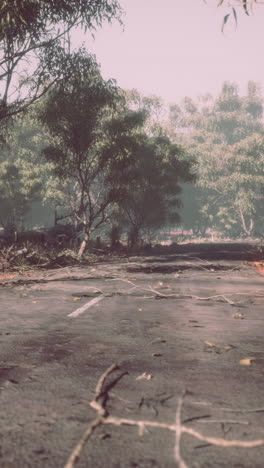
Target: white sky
[[175, 48]]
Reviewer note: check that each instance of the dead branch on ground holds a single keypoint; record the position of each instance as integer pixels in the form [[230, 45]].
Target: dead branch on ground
[[99, 404], [159, 295]]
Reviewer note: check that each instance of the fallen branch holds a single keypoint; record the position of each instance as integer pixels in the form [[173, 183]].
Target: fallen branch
[[178, 296], [253, 410], [74, 457], [191, 296], [178, 432], [103, 418], [224, 421], [209, 268]]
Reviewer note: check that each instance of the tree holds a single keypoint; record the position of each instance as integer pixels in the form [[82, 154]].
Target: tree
[[22, 172], [35, 39], [245, 182], [90, 145], [152, 199], [225, 137], [153, 107]]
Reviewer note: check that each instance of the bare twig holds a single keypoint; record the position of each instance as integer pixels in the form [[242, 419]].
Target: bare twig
[[220, 442], [253, 410], [101, 411], [178, 296], [102, 418], [74, 457], [178, 432], [223, 421]]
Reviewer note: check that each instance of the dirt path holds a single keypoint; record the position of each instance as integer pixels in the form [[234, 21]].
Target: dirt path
[[174, 327]]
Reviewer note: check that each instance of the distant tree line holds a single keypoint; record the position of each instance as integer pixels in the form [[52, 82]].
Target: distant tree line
[[114, 159], [225, 136]]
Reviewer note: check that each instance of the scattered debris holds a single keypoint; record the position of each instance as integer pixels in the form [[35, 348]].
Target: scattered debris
[[159, 295], [259, 267], [218, 348], [104, 436], [158, 341], [99, 404], [238, 316], [13, 258], [144, 376], [3, 277], [247, 361]]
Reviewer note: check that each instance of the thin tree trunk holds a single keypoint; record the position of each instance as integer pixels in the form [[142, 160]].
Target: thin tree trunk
[[251, 227], [247, 230], [83, 244], [55, 217], [243, 221]]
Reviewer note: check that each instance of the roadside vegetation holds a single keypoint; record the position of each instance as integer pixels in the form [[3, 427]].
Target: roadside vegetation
[[111, 168]]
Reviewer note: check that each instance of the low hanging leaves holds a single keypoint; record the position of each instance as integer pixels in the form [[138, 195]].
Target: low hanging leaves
[[225, 21], [245, 2], [235, 15]]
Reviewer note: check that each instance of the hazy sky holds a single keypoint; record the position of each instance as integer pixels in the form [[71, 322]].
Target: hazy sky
[[175, 48]]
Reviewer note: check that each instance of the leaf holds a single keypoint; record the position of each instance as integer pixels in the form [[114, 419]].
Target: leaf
[[213, 345], [225, 21], [235, 15], [245, 7], [7, 276], [220, 3], [246, 361], [238, 316], [144, 376]]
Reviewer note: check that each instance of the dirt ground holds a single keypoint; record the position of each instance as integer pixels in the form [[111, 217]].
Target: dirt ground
[[187, 335]]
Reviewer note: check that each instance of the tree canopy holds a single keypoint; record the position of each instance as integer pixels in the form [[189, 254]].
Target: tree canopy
[[90, 144], [35, 41], [225, 136]]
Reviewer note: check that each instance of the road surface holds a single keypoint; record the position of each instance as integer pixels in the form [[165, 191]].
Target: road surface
[[187, 333]]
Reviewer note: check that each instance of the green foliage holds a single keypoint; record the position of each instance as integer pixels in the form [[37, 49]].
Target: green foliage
[[233, 6], [93, 138], [152, 199], [35, 41], [106, 163], [226, 139], [153, 108], [21, 18], [22, 172]]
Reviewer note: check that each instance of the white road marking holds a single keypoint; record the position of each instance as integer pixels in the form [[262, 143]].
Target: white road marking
[[86, 306]]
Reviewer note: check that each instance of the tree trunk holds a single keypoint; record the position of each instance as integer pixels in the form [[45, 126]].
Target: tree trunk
[[83, 244], [133, 236], [247, 230], [55, 217]]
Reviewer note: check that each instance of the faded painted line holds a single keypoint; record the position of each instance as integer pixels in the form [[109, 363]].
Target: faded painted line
[[85, 307]]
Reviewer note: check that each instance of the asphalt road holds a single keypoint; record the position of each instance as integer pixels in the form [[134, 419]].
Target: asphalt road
[[180, 327]]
